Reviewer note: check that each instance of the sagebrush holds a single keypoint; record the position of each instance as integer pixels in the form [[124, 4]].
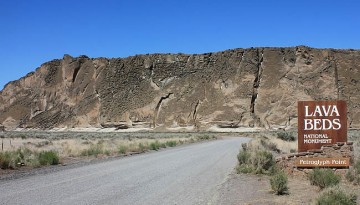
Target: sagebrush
[[336, 196], [323, 178], [279, 183], [255, 160]]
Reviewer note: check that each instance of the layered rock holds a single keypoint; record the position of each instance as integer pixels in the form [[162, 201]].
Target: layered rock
[[255, 87]]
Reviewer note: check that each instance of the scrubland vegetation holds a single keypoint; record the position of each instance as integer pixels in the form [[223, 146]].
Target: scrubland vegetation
[[258, 157], [40, 149]]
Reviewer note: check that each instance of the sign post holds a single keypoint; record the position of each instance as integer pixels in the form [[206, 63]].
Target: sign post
[[321, 123]]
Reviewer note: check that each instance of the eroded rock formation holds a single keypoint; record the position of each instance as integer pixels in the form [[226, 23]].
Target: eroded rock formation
[[255, 87]]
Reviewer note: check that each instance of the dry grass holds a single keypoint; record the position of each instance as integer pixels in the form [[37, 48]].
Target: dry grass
[[94, 146], [271, 138]]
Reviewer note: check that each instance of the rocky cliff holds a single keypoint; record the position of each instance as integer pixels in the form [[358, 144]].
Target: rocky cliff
[[255, 87]]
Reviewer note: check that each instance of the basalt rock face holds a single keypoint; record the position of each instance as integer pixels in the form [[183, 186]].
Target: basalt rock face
[[256, 87]]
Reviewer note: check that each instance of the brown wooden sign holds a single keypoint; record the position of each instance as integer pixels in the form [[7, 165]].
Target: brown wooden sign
[[321, 123], [322, 162]]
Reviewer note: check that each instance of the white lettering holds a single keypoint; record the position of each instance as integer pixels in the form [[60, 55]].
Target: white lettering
[[322, 124], [307, 112], [326, 124], [320, 111], [334, 109], [308, 122], [337, 122], [317, 124], [326, 112]]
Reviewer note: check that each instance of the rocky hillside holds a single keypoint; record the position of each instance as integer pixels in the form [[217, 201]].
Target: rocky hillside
[[255, 87]]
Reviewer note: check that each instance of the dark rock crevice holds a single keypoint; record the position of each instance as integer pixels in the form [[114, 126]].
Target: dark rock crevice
[[157, 108], [257, 80], [195, 111], [76, 71]]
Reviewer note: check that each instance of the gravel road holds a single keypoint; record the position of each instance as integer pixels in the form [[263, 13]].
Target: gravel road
[[189, 174]]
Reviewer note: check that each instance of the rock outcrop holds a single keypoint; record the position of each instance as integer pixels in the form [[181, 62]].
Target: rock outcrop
[[255, 87]]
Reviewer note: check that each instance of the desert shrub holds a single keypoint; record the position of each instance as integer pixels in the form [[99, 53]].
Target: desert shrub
[[5, 160], [171, 143], [335, 196], [286, 136], [13, 159], [323, 178], [245, 168], [107, 152], [48, 158], [244, 146], [357, 167], [162, 145], [94, 150], [269, 145], [43, 143], [155, 145], [255, 161], [122, 149], [353, 174], [203, 137], [279, 183], [263, 161], [142, 147], [244, 157]]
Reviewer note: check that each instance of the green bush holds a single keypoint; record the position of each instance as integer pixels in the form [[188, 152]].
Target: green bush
[[13, 159], [357, 167], [279, 183], [245, 168], [142, 147], [286, 136], [244, 157], [48, 158], [94, 150], [350, 176], [255, 161], [335, 196], [205, 137], [107, 152], [171, 143], [263, 161], [122, 149], [27, 157], [353, 174], [162, 145], [155, 145], [5, 160], [323, 178]]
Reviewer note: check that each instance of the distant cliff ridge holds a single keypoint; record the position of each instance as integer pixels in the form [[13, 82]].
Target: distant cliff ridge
[[255, 87]]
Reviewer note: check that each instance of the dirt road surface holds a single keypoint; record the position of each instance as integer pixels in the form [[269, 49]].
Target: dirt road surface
[[183, 175]]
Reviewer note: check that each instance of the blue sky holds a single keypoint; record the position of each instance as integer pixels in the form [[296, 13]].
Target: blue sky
[[37, 31]]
